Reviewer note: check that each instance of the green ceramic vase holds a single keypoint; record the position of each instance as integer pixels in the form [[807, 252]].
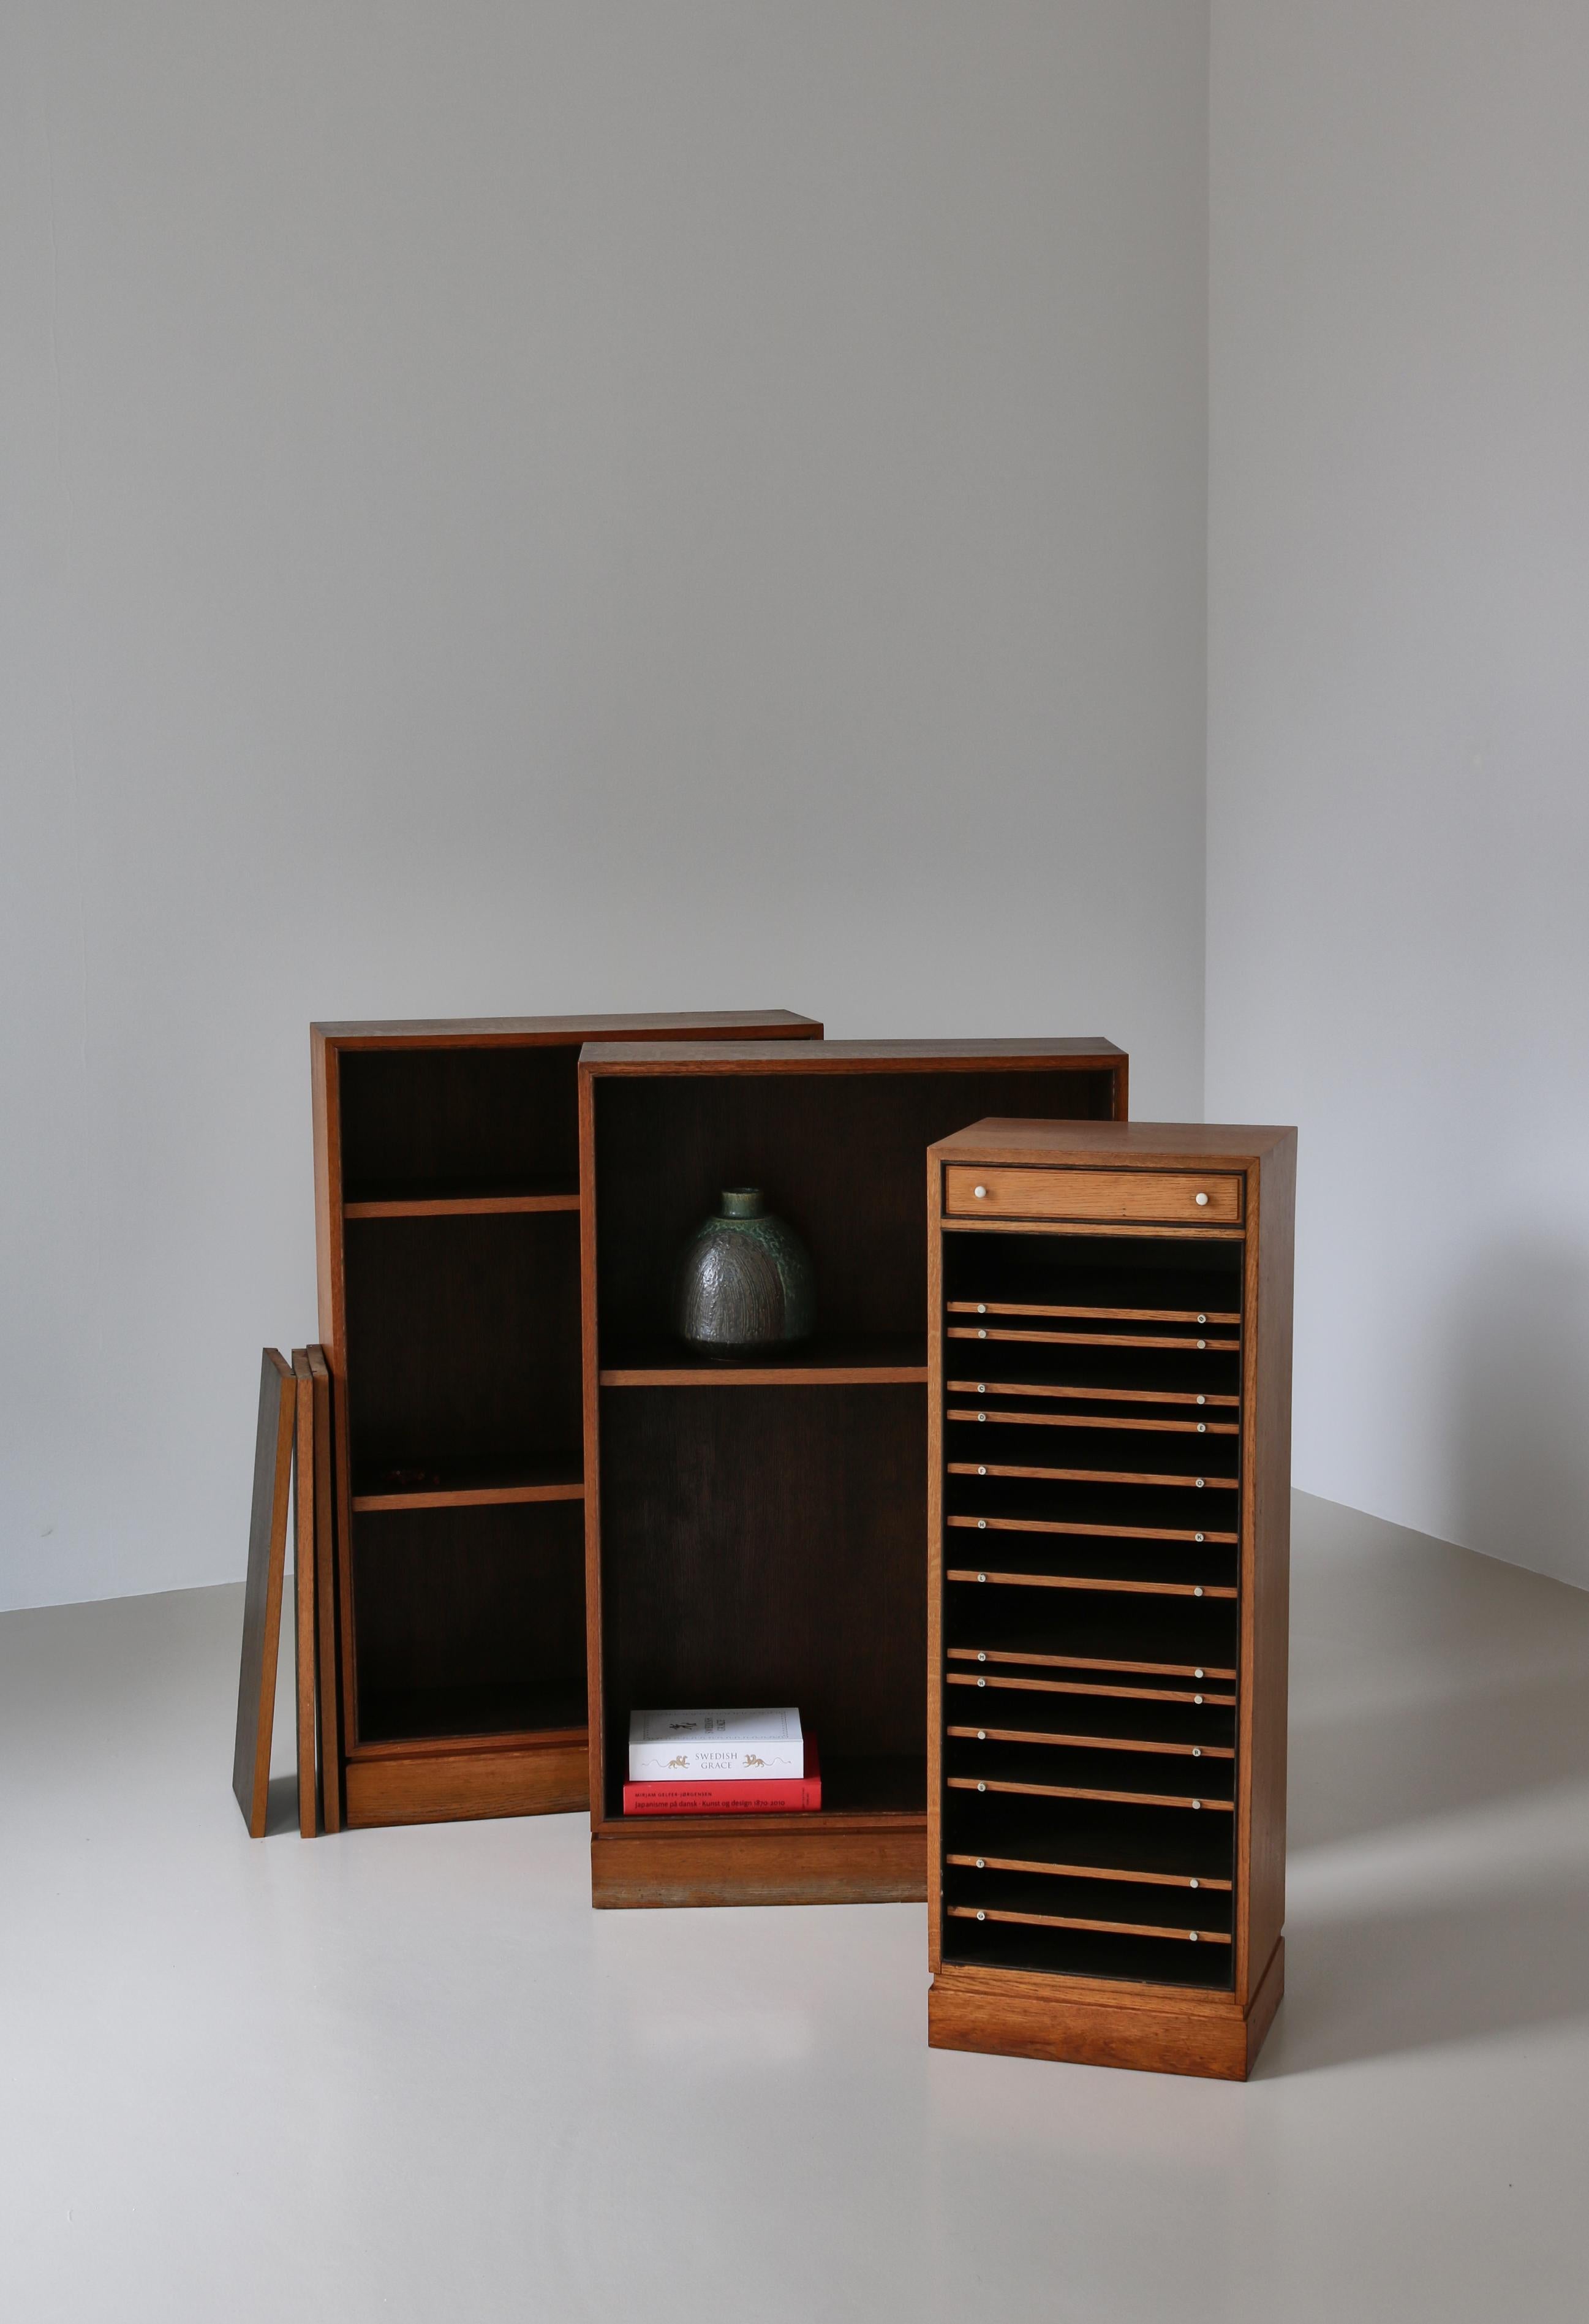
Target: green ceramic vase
[[744, 1281]]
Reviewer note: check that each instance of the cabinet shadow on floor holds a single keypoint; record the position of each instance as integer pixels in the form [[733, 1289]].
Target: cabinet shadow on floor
[[1439, 1713], [1386, 1766], [1462, 1968]]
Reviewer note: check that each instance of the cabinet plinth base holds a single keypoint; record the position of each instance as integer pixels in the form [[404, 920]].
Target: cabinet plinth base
[[879, 1866], [441, 1787], [1010, 2015]]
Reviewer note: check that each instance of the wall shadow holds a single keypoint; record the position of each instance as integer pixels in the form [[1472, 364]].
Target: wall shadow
[[1517, 1338]]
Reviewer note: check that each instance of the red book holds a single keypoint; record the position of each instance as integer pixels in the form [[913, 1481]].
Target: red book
[[778, 1797]]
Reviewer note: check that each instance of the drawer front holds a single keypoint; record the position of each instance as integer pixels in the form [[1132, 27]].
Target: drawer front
[[1168, 1197]]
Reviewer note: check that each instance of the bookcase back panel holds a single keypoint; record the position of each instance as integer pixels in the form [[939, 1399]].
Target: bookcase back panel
[[439, 1120], [838, 1156], [469, 1622], [463, 1342], [763, 1546]]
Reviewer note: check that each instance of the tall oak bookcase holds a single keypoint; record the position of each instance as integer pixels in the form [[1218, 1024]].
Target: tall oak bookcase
[[1109, 1532], [447, 1231], [754, 1529]]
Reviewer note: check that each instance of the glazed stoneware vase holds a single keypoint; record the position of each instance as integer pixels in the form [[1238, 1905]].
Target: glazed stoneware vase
[[744, 1281]]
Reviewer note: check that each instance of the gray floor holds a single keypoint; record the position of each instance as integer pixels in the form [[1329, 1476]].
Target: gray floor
[[410, 2075]]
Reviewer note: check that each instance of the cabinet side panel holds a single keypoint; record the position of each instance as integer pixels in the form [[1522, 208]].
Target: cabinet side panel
[[1268, 1615], [328, 1128], [327, 1662], [589, 1360], [303, 1591], [934, 1559]]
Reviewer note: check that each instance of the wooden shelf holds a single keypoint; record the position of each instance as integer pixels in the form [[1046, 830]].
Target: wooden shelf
[[1121, 1377], [985, 1412], [1040, 1771], [1050, 1899], [1136, 1686], [1185, 1343], [1117, 1519], [505, 1713], [990, 1448], [471, 1484], [460, 1203], [1080, 1839], [1144, 1576], [1185, 1643], [861, 1359]]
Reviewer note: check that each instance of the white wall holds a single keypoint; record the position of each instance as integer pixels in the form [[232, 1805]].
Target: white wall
[[1399, 731], [540, 507]]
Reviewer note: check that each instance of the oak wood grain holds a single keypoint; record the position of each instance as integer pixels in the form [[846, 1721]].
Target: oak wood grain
[[262, 1588], [304, 1590]]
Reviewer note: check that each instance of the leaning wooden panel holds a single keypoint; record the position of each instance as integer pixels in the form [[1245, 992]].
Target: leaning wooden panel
[[262, 1596], [1107, 1819]]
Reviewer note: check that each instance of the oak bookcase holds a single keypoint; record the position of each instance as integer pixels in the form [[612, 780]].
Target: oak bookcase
[[1109, 1447], [447, 1228], [754, 1530]]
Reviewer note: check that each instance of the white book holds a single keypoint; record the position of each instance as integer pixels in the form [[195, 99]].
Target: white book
[[719, 1747]]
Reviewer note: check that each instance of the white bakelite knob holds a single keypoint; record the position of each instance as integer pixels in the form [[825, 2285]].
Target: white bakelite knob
[[1202, 1199], [981, 1472], [1190, 1884], [1198, 1592], [982, 1867], [982, 1787], [980, 1192]]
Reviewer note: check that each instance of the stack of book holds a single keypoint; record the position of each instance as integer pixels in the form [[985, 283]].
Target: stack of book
[[720, 1762]]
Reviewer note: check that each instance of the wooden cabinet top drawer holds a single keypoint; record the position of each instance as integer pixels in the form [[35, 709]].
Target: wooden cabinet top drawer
[[1164, 1197]]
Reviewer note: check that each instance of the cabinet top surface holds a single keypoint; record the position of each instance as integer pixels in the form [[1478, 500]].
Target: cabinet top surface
[[840, 1056], [480, 1032], [1123, 1144]]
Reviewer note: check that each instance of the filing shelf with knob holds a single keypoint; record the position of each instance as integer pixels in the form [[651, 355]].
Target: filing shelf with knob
[[1110, 1426]]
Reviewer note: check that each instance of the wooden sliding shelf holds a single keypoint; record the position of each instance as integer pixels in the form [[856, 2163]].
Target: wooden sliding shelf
[[1109, 1445], [754, 1529], [447, 1225]]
